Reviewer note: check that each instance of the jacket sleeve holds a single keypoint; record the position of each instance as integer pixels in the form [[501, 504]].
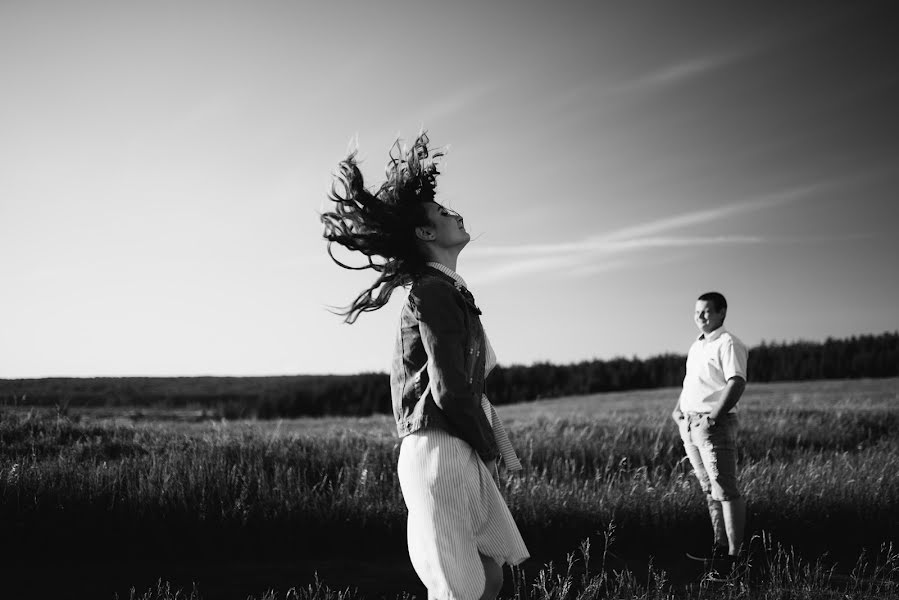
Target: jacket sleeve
[[445, 340]]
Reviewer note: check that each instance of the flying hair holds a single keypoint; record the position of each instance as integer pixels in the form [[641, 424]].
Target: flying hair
[[381, 224]]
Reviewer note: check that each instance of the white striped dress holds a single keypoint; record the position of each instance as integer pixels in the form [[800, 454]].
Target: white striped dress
[[455, 512], [455, 509]]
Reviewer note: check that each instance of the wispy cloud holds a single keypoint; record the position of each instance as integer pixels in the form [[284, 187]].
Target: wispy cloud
[[675, 73], [515, 268], [561, 266], [605, 251], [607, 245], [686, 69], [586, 257], [592, 93], [717, 213]]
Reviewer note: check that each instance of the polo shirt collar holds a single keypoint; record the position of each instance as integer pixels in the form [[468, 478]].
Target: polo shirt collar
[[714, 335]]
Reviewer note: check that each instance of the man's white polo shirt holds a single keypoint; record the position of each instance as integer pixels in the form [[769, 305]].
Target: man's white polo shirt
[[713, 359]]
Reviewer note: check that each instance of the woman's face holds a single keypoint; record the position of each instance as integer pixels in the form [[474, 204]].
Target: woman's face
[[447, 228]]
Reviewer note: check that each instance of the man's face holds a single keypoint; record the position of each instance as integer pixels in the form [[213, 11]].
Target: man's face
[[706, 317]]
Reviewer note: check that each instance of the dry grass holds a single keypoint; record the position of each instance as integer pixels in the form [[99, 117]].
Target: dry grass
[[818, 467]]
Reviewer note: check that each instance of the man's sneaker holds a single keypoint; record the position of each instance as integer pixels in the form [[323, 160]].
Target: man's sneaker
[[718, 554]]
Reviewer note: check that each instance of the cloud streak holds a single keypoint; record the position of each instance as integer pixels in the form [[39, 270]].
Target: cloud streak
[[605, 251], [593, 245], [675, 74], [717, 213], [687, 69]]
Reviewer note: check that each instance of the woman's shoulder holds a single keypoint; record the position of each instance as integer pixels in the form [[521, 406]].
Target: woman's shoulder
[[430, 290], [428, 285]]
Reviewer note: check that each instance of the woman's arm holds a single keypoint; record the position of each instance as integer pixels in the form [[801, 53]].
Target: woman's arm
[[445, 339]]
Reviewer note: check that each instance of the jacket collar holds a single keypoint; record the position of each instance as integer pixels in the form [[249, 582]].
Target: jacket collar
[[453, 278]]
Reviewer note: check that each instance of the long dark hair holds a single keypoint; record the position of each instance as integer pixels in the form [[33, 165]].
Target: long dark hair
[[381, 225]]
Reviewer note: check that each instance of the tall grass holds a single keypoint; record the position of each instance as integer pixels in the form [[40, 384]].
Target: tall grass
[[818, 469], [785, 575]]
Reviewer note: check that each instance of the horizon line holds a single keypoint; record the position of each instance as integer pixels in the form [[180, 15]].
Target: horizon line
[[762, 343]]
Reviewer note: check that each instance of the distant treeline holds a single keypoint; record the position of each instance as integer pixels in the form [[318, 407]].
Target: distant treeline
[[369, 393], [228, 397], [853, 358]]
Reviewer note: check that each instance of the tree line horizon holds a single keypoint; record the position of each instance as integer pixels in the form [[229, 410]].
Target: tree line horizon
[[862, 356]]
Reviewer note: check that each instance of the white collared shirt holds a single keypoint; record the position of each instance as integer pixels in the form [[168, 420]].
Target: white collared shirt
[[712, 360]]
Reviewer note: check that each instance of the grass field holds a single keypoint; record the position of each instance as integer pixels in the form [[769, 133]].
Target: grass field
[[109, 500]]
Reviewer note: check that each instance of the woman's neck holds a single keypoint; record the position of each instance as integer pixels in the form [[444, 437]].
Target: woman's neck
[[448, 258]]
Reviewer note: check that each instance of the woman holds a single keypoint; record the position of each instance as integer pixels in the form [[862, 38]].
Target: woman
[[460, 531]]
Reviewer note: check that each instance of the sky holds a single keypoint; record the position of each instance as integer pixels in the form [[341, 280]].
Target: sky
[[163, 166]]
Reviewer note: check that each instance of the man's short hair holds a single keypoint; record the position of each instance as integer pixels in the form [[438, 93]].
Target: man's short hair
[[716, 299]]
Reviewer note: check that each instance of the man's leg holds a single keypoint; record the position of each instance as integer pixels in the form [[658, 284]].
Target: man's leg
[[715, 511], [719, 523], [718, 450], [734, 523]]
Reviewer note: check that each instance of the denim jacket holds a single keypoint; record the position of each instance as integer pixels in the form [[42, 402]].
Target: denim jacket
[[437, 375]]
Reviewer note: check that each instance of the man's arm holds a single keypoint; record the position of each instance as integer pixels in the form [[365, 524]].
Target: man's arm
[[730, 395], [677, 414], [733, 357]]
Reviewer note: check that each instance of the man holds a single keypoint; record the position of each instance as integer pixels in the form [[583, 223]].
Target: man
[[706, 417]]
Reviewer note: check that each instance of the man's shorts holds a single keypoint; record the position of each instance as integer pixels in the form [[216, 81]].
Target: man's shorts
[[712, 451]]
